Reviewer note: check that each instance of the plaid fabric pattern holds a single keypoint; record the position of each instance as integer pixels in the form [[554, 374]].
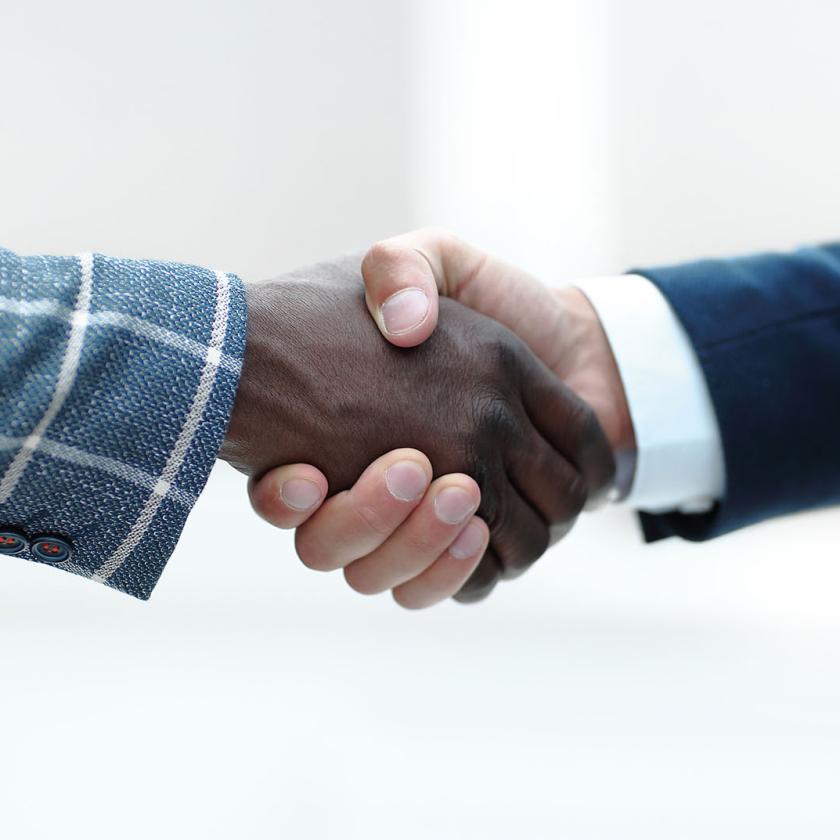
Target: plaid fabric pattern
[[117, 379]]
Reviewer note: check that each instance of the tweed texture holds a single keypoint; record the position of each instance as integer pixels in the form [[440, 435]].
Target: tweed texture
[[117, 379]]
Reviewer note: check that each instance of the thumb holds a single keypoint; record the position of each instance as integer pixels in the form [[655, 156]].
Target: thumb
[[401, 291], [405, 275]]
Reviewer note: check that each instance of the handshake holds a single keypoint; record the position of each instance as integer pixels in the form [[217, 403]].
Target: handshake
[[445, 456]]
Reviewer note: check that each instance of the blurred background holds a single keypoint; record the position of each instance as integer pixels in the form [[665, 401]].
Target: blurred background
[[617, 690]]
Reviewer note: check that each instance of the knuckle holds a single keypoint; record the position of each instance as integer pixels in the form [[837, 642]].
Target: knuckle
[[373, 520], [481, 582], [507, 349], [518, 548], [595, 454], [585, 420], [576, 494], [447, 244], [498, 516], [379, 255], [438, 234], [420, 545], [518, 558], [495, 415], [488, 509], [475, 590]]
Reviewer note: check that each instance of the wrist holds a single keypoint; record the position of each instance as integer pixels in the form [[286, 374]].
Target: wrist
[[589, 367], [230, 449], [261, 398]]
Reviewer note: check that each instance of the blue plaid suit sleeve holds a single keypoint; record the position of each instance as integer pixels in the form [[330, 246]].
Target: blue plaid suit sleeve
[[117, 379]]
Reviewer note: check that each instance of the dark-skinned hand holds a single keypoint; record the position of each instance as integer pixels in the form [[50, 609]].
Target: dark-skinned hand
[[320, 386]]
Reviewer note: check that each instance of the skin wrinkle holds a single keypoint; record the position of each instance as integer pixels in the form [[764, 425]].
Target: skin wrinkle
[[371, 517]]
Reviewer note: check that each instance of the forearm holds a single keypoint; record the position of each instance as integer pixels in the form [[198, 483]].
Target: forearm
[[118, 379]]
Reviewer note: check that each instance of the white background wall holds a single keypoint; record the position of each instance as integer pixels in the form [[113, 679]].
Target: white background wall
[[617, 690]]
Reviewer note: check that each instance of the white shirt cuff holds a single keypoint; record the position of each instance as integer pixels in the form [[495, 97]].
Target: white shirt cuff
[[679, 459]]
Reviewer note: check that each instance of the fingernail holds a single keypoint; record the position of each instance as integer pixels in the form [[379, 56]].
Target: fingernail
[[406, 480], [453, 505], [404, 311], [300, 494], [469, 542]]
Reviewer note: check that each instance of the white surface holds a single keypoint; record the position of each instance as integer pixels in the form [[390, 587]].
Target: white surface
[[616, 690], [679, 454]]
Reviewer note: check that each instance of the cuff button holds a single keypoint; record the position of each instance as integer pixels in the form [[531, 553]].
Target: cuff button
[[51, 549], [11, 542]]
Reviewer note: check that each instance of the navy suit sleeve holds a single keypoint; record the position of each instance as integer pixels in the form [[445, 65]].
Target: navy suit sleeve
[[766, 330]]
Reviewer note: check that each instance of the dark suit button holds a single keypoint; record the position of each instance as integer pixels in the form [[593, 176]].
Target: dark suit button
[[11, 542], [51, 549]]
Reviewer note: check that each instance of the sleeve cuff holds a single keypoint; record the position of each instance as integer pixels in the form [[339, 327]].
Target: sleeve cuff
[[119, 381], [679, 459]]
